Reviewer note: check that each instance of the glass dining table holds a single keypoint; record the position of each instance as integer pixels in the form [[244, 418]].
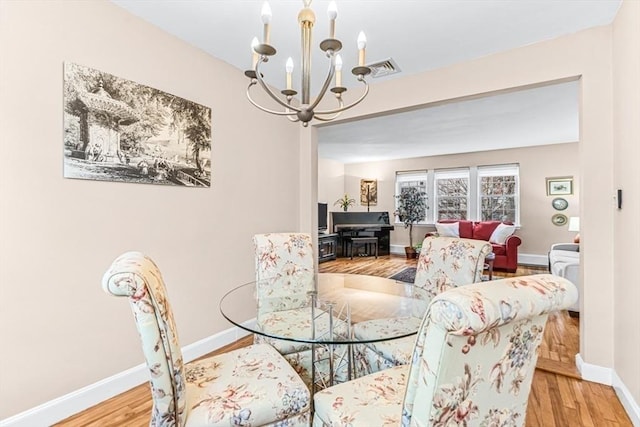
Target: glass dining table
[[321, 309]]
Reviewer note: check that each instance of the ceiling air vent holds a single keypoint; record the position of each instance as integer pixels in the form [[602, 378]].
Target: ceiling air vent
[[383, 68]]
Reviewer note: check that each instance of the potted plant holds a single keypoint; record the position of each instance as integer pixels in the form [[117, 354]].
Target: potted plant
[[412, 208], [345, 202]]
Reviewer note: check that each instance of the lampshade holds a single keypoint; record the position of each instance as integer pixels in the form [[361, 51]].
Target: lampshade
[[574, 223]]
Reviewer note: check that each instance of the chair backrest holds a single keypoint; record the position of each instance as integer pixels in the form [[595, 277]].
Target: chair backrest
[[284, 271], [136, 276], [279, 254], [476, 351], [447, 262]]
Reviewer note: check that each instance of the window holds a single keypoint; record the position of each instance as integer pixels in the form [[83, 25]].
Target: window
[[498, 190], [476, 193], [451, 194], [411, 179]]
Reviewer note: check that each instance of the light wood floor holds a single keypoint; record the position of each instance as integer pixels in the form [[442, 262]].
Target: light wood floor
[[562, 334], [558, 397]]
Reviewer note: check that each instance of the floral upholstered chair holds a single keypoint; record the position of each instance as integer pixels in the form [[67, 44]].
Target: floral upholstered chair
[[444, 263], [473, 362], [251, 386], [285, 281]]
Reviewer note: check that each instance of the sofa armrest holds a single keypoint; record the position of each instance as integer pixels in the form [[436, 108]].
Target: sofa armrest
[[575, 247], [513, 242]]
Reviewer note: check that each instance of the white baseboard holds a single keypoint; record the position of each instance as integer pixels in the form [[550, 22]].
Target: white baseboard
[[396, 249], [532, 259], [609, 377], [594, 373], [630, 405], [77, 401]]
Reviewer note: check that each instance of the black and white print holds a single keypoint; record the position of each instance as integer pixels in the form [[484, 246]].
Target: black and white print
[[119, 130]]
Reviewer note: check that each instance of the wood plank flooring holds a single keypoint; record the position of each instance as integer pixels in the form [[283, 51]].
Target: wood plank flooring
[[561, 340], [558, 397]]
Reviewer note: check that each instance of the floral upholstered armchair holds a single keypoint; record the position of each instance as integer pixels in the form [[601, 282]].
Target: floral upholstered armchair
[[251, 386], [444, 263], [473, 362], [285, 281]]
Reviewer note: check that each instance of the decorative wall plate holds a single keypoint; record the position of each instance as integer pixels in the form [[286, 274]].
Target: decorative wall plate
[[559, 219], [559, 204]]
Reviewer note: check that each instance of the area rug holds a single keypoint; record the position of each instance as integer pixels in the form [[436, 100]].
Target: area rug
[[407, 275]]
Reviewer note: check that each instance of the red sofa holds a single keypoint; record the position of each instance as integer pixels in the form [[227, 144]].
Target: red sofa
[[506, 255]]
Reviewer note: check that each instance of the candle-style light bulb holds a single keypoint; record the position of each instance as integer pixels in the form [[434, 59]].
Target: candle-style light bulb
[[362, 44], [289, 68], [266, 20], [332, 13], [338, 70], [254, 59]]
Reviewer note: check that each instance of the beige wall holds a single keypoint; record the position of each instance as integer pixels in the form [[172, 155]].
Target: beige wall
[[626, 72], [59, 331], [330, 181], [586, 55], [536, 163]]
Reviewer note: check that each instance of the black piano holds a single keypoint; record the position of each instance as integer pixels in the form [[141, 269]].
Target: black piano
[[363, 224]]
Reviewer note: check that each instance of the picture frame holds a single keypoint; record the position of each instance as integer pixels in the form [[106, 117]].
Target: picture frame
[[560, 186], [559, 219], [368, 192], [559, 204], [119, 130]]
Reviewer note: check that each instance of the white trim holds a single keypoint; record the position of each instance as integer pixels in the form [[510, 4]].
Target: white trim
[[608, 376], [77, 401], [396, 249], [629, 404], [533, 259], [594, 373]]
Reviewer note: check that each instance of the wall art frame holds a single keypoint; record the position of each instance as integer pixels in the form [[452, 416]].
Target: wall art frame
[[559, 204], [559, 219], [122, 131], [560, 186], [368, 192]]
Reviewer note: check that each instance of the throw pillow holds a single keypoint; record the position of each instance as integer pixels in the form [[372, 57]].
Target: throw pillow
[[500, 234], [448, 230], [482, 230]]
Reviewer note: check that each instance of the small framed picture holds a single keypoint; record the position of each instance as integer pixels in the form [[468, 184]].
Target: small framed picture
[[559, 219], [368, 192], [560, 186]]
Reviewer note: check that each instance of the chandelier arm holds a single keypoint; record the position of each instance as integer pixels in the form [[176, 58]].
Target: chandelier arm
[[266, 110], [269, 92], [327, 119], [326, 84], [343, 108], [291, 113]]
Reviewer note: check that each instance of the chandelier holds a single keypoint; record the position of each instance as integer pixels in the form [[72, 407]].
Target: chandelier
[[305, 111]]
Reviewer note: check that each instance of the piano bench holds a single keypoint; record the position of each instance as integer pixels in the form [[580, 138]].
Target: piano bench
[[367, 242]]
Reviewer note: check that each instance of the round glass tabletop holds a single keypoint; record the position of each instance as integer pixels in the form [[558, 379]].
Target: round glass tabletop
[[322, 308]]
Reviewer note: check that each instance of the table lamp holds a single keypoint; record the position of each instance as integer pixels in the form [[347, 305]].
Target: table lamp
[[574, 225]]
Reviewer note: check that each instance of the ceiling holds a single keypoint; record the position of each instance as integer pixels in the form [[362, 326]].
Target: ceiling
[[537, 116], [419, 35]]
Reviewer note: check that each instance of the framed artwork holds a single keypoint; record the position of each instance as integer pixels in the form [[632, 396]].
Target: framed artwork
[[559, 204], [368, 192], [560, 186], [122, 131], [559, 219]]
